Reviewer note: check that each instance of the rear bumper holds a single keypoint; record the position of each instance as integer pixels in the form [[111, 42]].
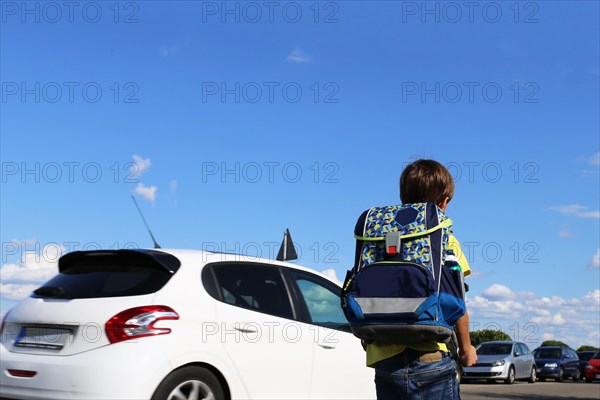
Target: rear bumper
[[103, 373]]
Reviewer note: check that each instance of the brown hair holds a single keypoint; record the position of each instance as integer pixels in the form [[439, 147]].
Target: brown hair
[[425, 181]]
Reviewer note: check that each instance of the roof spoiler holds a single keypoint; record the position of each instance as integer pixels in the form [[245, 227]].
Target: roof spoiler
[[154, 258]]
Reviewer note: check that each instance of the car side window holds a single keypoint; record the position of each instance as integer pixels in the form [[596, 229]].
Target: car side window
[[322, 299], [524, 348], [574, 354], [252, 286], [518, 349]]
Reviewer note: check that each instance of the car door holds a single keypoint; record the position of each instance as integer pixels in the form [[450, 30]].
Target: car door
[[529, 360], [522, 365], [517, 360], [566, 362], [270, 350], [339, 365], [573, 362]]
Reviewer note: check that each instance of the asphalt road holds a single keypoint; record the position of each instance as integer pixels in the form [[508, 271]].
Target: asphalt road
[[530, 391]]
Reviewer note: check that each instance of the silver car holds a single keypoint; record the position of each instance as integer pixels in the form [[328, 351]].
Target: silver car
[[504, 360]]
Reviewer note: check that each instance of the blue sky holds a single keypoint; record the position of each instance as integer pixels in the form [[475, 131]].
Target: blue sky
[[233, 121]]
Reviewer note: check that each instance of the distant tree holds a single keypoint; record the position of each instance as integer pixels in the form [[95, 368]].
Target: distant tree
[[487, 335], [554, 343], [587, 348]]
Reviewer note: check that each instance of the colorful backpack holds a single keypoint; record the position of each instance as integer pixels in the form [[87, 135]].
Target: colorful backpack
[[406, 285]]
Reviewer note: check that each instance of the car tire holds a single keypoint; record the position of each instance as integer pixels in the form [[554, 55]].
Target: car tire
[[511, 376], [577, 376], [195, 383], [532, 375], [588, 380], [561, 375]]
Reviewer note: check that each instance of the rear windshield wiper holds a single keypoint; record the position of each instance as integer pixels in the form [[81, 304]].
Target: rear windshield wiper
[[50, 291]]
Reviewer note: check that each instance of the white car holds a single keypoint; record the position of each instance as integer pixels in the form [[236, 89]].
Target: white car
[[181, 324]]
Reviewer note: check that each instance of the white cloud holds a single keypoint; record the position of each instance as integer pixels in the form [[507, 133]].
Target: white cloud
[[595, 159], [331, 274], [595, 262], [140, 165], [532, 318], [33, 266], [576, 210], [556, 319], [16, 292], [168, 51], [498, 292], [173, 186], [298, 56], [148, 193], [565, 233]]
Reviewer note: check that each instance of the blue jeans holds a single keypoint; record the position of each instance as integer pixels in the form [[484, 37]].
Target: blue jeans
[[405, 378]]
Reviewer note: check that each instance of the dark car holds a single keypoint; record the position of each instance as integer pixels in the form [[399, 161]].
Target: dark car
[[557, 362], [584, 357]]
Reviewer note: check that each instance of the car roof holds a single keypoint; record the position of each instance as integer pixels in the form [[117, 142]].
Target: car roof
[[207, 257]]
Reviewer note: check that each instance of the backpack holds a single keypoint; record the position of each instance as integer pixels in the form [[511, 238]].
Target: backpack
[[406, 285]]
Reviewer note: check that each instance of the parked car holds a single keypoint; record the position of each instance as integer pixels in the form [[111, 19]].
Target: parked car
[[557, 362], [504, 360], [172, 324], [592, 369], [584, 357]]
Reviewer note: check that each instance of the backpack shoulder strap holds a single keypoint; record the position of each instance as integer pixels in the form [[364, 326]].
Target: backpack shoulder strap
[[359, 230]]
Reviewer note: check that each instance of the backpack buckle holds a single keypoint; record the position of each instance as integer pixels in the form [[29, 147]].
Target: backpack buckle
[[393, 243]]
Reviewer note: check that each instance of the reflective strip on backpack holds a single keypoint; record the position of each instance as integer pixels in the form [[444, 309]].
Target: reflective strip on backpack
[[388, 305]]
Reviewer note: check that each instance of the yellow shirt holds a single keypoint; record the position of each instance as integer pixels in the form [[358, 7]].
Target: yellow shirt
[[380, 351]]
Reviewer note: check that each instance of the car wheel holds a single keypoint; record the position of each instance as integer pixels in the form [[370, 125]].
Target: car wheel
[[532, 375], [588, 380], [561, 375], [190, 383], [511, 376], [577, 376]]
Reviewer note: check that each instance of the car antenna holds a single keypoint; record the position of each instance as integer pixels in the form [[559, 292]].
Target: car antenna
[[156, 246]]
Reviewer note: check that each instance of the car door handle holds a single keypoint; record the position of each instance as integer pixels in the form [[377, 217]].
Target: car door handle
[[326, 346], [244, 330]]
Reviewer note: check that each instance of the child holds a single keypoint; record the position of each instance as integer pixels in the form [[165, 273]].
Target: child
[[424, 370]]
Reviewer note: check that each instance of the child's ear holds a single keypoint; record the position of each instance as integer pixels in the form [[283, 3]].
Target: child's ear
[[444, 203]]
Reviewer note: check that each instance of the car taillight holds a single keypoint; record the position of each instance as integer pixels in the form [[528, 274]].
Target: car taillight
[[3, 324], [138, 322]]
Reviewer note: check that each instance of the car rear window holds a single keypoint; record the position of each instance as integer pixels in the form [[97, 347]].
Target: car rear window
[[106, 275]]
